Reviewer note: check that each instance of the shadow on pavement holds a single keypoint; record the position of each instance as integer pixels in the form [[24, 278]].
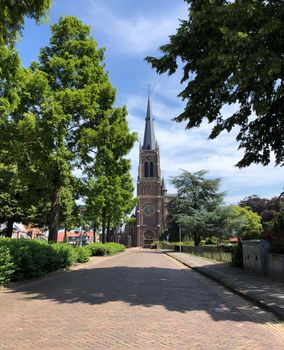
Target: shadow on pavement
[[177, 290]]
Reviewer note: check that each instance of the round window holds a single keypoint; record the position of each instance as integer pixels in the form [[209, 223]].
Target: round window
[[148, 210]]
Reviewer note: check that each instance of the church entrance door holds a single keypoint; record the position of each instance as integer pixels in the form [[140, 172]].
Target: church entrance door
[[148, 238]]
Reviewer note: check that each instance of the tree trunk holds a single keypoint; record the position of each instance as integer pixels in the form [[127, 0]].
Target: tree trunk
[[55, 211], [65, 233], [108, 231], [94, 232], [9, 229], [103, 225], [197, 239]]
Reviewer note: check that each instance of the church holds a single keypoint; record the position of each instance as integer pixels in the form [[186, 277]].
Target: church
[[151, 209]]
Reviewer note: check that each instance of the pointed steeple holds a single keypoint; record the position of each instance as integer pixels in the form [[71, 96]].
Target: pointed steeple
[[149, 134]]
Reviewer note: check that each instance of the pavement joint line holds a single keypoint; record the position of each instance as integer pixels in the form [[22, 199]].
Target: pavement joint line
[[240, 292]]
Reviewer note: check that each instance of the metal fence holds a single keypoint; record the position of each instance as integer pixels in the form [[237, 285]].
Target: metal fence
[[213, 253]]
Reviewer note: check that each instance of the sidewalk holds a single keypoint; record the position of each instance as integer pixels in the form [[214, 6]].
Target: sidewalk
[[261, 290]]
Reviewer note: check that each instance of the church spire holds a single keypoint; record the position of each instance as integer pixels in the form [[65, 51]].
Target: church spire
[[149, 134]]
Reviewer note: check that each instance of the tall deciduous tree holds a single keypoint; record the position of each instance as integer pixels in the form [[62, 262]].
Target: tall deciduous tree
[[244, 222], [232, 52], [110, 187], [196, 207], [13, 13], [268, 209], [15, 193], [76, 101]]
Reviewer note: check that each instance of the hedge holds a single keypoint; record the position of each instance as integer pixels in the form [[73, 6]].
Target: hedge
[[6, 265], [106, 248], [34, 258], [83, 254], [23, 259]]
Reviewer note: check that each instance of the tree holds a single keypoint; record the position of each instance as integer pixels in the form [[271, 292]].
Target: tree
[[196, 207], [268, 209], [13, 13], [231, 53], [68, 100], [110, 187], [15, 193], [23, 190], [12, 16], [244, 222]]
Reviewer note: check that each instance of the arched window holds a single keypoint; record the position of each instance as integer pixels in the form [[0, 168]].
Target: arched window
[[146, 169], [151, 169]]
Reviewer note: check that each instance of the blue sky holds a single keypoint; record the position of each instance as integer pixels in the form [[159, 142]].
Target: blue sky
[[131, 30]]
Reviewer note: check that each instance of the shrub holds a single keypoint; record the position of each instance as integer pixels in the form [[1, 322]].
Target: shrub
[[97, 249], [113, 248], [106, 248], [65, 255], [153, 245], [157, 245], [83, 254], [6, 265], [34, 258], [22, 259], [30, 258]]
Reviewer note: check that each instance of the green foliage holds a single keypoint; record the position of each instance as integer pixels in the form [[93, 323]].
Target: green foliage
[[113, 248], [278, 226], [244, 222], [13, 13], [32, 258], [14, 184], [184, 243], [57, 116], [97, 249], [210, 241], [106, 248], [83, 254], [109, 184], [268, 209], [6, 266], [64, 119], [197, 207], [65, 255], [155, 245], [231, 53]]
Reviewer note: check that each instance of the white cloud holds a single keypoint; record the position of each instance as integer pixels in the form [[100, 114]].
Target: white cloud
[[135, 34], [191, 150]]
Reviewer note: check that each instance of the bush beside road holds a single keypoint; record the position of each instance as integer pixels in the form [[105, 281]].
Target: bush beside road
[[25, 259]]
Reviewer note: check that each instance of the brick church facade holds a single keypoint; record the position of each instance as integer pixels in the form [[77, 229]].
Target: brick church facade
[[151, 190]]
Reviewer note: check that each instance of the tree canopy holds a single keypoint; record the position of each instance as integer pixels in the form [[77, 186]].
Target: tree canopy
[[232, 53], [13, 13], [244, 222], [196, 207], [64, 121]]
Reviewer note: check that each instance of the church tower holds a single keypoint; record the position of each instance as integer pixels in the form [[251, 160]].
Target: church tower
[[151, 190]]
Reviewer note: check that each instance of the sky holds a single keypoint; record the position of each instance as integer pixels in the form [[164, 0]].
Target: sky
[[130, 30]]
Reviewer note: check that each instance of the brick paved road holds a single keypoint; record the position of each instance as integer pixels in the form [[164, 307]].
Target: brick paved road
[[137, 300]]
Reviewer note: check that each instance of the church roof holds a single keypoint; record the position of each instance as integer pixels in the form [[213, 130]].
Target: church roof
[[149, 134]]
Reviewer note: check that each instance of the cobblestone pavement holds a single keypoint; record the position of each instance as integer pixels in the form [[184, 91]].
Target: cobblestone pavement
[[261, 289], [137, 300]]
